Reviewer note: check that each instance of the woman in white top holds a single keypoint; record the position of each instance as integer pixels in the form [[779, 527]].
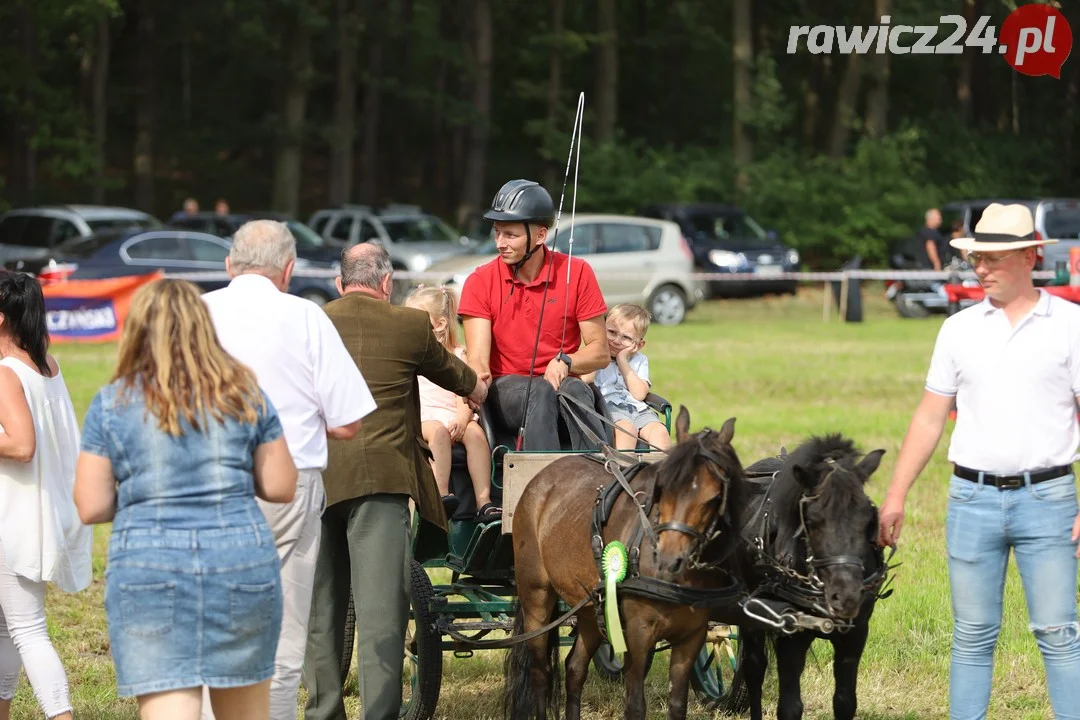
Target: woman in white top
[[42, 539]]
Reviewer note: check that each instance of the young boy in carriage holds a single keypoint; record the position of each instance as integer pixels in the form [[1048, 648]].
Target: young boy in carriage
[[625, 382]]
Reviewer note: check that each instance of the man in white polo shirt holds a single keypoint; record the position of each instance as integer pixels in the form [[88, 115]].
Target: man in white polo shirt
[[318, 391], [1012, 364]]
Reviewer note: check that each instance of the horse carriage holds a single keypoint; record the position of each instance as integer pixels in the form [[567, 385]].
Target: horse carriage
[[481, 595]]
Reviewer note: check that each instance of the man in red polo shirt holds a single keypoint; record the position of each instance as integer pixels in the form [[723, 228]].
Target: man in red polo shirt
[[504, 301]]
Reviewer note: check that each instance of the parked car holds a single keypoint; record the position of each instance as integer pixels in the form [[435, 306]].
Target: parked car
[[34, 231], [725, 239], [309, 244], [635, 259], [122, 253], [414, 239], [1055, 219]]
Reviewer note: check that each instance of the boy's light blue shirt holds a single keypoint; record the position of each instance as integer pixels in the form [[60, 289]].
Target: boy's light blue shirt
[[613, 386]]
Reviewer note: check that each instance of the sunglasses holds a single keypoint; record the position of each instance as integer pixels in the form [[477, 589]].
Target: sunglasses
[[990, 259]]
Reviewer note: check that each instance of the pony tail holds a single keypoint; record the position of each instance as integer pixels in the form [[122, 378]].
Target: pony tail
[[451, 314], [519, 697], [519, 701]]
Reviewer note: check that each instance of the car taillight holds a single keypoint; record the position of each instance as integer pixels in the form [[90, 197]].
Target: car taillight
[[1039, 254], [56, 272]]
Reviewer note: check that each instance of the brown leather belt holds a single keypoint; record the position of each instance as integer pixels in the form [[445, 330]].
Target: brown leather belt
[[1011, 482]]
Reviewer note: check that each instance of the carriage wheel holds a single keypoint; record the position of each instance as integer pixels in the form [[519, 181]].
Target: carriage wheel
[[610, 667], [423, 649], [717, 675]]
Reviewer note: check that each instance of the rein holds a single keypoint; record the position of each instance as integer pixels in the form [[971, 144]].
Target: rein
[[805, 590], [635, 583], [646, 586]]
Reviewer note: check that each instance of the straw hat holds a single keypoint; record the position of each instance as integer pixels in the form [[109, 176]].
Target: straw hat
[[1001, 228]]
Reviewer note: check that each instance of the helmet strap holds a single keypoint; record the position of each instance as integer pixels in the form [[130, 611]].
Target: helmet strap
[[528, 252]]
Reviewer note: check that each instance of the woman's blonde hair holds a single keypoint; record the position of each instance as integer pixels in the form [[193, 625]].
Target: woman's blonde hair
[[438, 302], [170, 353]]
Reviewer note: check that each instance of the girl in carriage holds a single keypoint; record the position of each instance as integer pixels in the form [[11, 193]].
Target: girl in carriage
[[445, 419]]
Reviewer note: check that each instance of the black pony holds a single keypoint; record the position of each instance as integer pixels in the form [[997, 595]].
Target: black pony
[[810, 552]]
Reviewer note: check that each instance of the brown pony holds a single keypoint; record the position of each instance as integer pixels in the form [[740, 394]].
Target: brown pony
[[688, 494]]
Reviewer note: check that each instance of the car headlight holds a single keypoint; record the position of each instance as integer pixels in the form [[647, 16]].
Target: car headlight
[[420, 263], [726, 258], [793, 257], [459, 279]]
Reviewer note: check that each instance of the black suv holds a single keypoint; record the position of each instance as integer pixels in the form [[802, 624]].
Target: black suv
[[725, 239]]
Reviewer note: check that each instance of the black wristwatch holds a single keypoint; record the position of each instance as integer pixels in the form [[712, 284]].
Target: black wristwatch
[[566, 359]]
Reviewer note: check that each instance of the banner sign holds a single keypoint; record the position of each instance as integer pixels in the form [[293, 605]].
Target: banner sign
[[90, 310]]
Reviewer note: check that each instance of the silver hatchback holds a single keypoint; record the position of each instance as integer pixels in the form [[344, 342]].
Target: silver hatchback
[[638, 260]]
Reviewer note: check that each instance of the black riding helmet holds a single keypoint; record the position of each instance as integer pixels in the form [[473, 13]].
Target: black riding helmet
[[522, 201]]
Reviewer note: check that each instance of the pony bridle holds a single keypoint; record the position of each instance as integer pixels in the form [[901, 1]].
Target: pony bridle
[[702, 539], [871, 583]]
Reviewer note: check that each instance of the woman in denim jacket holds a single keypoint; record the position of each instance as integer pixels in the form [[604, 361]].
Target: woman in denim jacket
[[174, 451]]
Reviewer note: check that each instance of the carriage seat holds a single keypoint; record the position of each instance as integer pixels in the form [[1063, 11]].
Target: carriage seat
[[501, 439], [656, 403]]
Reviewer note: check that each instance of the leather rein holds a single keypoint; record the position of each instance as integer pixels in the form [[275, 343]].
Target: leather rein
[[643, 585], [807, 589]]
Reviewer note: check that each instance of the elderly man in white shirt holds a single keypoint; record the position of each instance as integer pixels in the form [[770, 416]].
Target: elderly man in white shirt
[[318, 391], [1012, 364]]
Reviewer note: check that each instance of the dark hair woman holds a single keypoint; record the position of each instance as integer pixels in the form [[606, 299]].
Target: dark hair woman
[[41, 537]]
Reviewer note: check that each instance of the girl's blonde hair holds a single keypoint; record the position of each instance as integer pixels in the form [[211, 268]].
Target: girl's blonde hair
[[438, 302], [170, 353]]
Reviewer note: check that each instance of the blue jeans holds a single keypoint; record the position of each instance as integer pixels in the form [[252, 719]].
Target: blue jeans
[[1035, 521]]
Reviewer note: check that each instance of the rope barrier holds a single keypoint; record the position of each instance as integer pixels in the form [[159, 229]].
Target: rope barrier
[[836, 276]]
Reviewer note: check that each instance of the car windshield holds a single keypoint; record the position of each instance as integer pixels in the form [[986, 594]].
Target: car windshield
[[424, 228], [1063, 221], [740, 227], [305, 237], [123, 223]]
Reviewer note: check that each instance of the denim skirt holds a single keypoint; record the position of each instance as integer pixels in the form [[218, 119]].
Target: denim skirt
[[188, 608]]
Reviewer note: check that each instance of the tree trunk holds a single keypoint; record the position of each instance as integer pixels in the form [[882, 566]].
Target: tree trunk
[[403, 176], [877, 110], [99, 105], [21, 172], [438, 161], [1072, 96], [475, 163], [290, 150], [369, 151], [144, 109], [674, 60], [344, 131], [607, 71], [1070, 128], [742, 56], [846, 98], [551, 167], [971, 11]]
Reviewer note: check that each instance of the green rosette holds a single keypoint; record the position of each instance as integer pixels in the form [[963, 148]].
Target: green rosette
[[614, 562]]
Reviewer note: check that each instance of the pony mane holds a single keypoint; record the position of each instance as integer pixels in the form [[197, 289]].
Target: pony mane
[[675, 473], [843, 490]]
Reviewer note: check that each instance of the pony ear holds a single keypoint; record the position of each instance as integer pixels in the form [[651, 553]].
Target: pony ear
[[869, 463], [803, 476], [727, 431], [682, 424]]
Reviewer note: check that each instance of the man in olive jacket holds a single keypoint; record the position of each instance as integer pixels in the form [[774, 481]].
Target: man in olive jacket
[[369, 479]]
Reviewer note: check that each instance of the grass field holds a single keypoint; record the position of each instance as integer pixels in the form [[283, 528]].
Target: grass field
[[784, 374]]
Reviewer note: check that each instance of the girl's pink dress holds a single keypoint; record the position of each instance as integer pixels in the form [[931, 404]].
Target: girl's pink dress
[[439, 404]]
